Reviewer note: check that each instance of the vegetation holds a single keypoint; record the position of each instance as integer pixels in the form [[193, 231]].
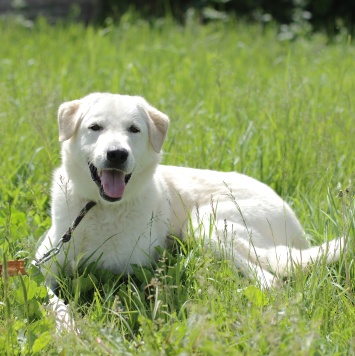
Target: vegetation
[[239, 98], [330, 16]]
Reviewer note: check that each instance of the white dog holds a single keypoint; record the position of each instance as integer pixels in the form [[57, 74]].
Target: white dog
[[111, 148]]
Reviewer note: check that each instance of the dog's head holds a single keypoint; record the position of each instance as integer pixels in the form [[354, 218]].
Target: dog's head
[[112, 138]]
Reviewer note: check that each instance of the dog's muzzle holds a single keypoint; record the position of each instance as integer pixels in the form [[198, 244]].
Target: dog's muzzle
[[111, 182]]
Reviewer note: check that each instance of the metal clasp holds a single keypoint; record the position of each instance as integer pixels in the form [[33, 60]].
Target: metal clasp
[[49, 254]]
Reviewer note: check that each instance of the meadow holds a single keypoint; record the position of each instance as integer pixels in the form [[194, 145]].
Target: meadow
[[239, 98]]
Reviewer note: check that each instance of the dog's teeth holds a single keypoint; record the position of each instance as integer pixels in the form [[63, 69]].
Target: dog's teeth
[[99, 174]]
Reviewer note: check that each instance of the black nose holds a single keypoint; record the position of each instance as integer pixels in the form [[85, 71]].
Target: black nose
[[117, 156]]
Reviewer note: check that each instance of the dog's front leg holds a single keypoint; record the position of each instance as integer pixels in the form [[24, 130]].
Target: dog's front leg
[[61, 312]]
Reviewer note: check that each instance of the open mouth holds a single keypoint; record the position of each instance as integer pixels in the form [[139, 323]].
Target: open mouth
[[111, 182]]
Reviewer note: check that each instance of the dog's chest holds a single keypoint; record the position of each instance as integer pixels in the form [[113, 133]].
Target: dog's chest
[[117, 239]]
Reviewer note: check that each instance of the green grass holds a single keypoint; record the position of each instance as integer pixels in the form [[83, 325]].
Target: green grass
[[238, 99]]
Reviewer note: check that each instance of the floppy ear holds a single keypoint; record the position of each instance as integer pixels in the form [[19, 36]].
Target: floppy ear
[[68, 118], [158, 126]]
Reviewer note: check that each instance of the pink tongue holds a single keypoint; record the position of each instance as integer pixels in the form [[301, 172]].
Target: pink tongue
[[113, 183]]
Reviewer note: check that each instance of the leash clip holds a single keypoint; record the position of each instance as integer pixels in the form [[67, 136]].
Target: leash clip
[[49, 254]]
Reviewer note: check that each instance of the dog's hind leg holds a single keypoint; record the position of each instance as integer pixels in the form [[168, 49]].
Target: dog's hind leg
[[224, 239]]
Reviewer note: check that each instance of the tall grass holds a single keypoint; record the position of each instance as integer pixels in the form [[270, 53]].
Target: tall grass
[[238, 99]]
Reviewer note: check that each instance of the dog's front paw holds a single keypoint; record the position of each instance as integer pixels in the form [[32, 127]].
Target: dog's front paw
[[62, 314], [64, 320]]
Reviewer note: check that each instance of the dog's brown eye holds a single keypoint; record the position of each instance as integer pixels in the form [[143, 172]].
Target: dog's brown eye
[[134, 129], [95, 127]]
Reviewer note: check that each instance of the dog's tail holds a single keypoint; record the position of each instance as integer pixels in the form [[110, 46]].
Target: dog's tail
[[282, 260]]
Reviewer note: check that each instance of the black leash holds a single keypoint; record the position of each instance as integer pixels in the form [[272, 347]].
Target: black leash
[[17, 267], [66, 237]]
